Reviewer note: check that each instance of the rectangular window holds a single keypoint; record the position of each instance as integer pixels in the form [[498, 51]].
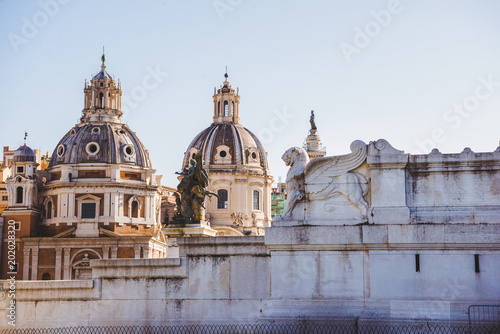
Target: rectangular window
[[417, 263], [20, 169], [476, 262], [5, 198], [88, 210], [222, 200], [255, 200], [17, 226]]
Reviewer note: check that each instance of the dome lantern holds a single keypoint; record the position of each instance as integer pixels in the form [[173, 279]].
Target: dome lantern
[[226, 103], [102, 98]]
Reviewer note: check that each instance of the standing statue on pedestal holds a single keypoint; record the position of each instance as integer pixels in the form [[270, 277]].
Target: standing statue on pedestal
[[192, 190], [311, 120]]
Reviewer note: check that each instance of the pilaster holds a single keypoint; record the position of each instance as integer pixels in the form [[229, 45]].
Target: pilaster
[[67, 264], [58, 263], [34, 264]]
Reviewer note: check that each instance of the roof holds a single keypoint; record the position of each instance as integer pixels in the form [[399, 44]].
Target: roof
[[112, 143], [241, 144], [24, 153]]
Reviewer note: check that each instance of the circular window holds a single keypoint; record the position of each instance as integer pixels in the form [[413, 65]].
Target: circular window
[[223, 154], [96, 130], [254, 156], [128, 150], [92, 148], [60, 150]]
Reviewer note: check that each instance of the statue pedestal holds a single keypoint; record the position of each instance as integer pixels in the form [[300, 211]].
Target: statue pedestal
[[179, 229]]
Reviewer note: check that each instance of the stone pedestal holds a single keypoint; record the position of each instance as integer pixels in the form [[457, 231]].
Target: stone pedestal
[[388, 184], [178, 229]]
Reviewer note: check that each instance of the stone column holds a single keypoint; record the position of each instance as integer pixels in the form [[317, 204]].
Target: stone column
[[26, 264], [106, 205], [58, 263], [114, 252], [34, 264], [71, 205], [238, 196], [105, 252], [146, 252], [67, 265], [137, 250], [147, 208]]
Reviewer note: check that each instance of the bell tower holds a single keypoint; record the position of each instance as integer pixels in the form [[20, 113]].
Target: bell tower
[[22, 214], [102, 98], [226, 103]]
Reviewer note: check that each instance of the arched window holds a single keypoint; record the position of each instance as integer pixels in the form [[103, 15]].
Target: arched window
[[46, 277], [135, 209], [19, 195], [226, 106], [218, 108], [256, 205], [222, 201], [49, 210], [232, 108], [101, 98]]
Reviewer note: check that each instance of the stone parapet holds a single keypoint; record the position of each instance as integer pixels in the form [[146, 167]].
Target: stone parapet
[[229, 246], [391, 237], [138, 268]]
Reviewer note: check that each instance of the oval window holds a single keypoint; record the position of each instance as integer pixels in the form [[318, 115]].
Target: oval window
[[128, 150], [254, 156], [60, 150], [92, 148], [223, 154]]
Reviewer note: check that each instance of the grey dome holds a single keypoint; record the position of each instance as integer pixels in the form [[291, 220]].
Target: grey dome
[[111, 143], [24, 153], [240, 141]]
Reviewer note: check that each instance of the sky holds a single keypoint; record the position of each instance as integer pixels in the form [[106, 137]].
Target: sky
[[420, 74]]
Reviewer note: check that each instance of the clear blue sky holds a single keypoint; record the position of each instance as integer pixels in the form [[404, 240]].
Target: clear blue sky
[[399, 78]]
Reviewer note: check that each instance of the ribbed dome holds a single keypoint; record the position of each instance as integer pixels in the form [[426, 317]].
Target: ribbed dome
[[111, 143], [24, 153], [227, 144], [102, 75]]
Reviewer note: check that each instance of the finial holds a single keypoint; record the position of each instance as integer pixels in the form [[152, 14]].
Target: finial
[[103, 57], [25, 136], [225, 75]]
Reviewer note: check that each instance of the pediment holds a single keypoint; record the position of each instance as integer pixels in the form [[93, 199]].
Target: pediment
[[66, 233], [88, 197]]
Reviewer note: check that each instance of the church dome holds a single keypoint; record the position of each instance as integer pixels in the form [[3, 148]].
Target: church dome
[[101, 137], [112, 143], [227, 144], [24, 154]]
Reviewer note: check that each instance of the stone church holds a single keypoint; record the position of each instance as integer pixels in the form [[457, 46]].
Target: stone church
[[236, 163], [99, 198]]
